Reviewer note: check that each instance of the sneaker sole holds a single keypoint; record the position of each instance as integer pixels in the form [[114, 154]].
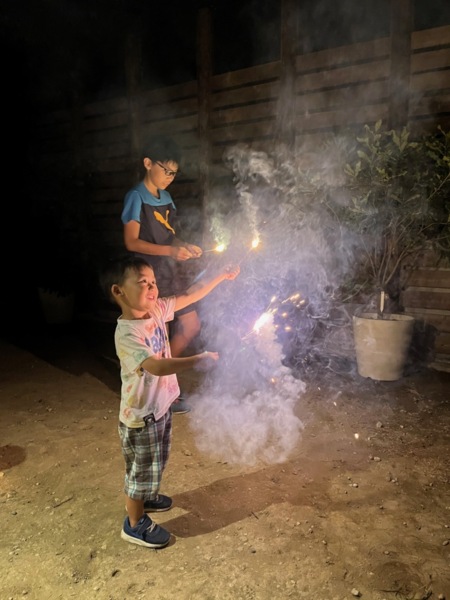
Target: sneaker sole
[[183, 411], [151, 510], [138, 542]]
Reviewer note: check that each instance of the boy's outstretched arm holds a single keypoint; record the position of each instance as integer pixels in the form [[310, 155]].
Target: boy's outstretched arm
[[203, 287], [169, 366]]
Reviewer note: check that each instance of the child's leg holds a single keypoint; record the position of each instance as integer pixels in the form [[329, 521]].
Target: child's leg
[[146, 451], [135, 510], [185, 328]]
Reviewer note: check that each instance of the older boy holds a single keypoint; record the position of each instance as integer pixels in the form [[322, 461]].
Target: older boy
[[149, 223]]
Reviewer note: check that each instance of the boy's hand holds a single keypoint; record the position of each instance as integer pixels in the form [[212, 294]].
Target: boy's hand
[[206, 355], [180, 253], [183, 251], [232, 271], [196, 251], [206, 360]]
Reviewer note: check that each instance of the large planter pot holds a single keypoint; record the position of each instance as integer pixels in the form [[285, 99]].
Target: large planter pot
[[382, 345]]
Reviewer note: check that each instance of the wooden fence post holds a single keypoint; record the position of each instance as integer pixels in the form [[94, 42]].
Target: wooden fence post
[[204, 72], [133, 58], [79, 211], [286, 100], [399, 86]]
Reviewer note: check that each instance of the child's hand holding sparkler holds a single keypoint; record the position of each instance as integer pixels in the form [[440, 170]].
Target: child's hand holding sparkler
[[206, 360], [232, 271], [185, 251], [196, 251]]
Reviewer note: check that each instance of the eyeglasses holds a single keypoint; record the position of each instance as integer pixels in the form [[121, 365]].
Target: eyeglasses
[[167, 172]]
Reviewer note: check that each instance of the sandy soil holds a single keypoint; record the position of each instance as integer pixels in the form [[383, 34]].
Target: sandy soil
[[361, 508]]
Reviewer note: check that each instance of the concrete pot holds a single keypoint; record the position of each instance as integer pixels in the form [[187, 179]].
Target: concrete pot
[[382, 345]]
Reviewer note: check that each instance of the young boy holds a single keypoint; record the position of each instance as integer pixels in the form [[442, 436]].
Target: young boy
[[149, 386], [149, 223]]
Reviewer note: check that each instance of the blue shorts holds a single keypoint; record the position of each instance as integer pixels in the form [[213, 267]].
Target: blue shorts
[[146, 451]]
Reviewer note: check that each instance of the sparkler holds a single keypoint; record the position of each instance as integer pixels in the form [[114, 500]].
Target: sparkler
[[221, 247], [266, 315], [218, 248], [261, 321], [253, 245]]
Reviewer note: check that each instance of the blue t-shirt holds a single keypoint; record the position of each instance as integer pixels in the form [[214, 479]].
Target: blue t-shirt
[[156, 217], [139, 195]]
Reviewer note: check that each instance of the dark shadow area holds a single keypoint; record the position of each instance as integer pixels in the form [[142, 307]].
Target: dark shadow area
[[11, 456], [422, 349], [81, 346], [226, 501]]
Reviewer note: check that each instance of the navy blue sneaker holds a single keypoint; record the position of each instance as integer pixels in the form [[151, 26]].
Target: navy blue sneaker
[[146, 533], [180, 406], [159, 504]]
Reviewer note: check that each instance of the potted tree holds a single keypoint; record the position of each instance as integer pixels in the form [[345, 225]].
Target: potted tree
[[396, 202]]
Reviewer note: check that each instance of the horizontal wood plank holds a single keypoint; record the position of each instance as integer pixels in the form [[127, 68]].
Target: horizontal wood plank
[[442, 344], [436, 318], [341, 118], [354, 95], [347, 75], [431, 60], [430, 81], [433, 278], [428, 38], [427, 299], [343, 55], [245, 95], [250, 75], [243, 132], [436, 103], [263, 110]]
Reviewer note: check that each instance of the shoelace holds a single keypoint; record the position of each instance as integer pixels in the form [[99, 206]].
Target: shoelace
[[151, 527]]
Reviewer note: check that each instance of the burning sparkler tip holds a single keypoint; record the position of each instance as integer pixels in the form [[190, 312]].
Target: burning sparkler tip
[[218, 248]]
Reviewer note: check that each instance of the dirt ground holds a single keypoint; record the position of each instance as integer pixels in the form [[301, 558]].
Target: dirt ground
[[361, 508]]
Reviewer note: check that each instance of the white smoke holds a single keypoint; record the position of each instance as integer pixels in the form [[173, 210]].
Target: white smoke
[[255, 422], [245, 411]]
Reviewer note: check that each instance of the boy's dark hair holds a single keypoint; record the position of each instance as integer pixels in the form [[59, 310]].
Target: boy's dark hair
[[116, 271], [161, 148]]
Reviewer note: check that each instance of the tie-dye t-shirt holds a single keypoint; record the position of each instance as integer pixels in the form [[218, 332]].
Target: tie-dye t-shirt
[[144, 394]]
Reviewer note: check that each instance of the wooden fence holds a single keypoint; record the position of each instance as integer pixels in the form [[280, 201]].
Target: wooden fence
[[331, 90], [427, 298]]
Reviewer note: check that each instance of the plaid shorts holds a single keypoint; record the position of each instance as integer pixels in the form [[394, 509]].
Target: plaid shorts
[[146, 451]]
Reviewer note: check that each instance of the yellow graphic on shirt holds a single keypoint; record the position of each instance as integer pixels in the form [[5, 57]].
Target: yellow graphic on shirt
[[158, 216]]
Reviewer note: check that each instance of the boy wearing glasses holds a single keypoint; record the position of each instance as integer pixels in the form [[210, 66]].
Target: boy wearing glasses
[[148, 218]]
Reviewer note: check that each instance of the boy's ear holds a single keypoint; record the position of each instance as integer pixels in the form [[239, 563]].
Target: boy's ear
[[116, 291], [147, 163]]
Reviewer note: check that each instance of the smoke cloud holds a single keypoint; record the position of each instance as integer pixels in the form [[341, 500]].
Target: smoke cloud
[[245, 412]]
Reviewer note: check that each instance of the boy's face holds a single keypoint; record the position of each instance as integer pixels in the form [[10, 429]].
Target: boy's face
[[161, 173], [138, 294]]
